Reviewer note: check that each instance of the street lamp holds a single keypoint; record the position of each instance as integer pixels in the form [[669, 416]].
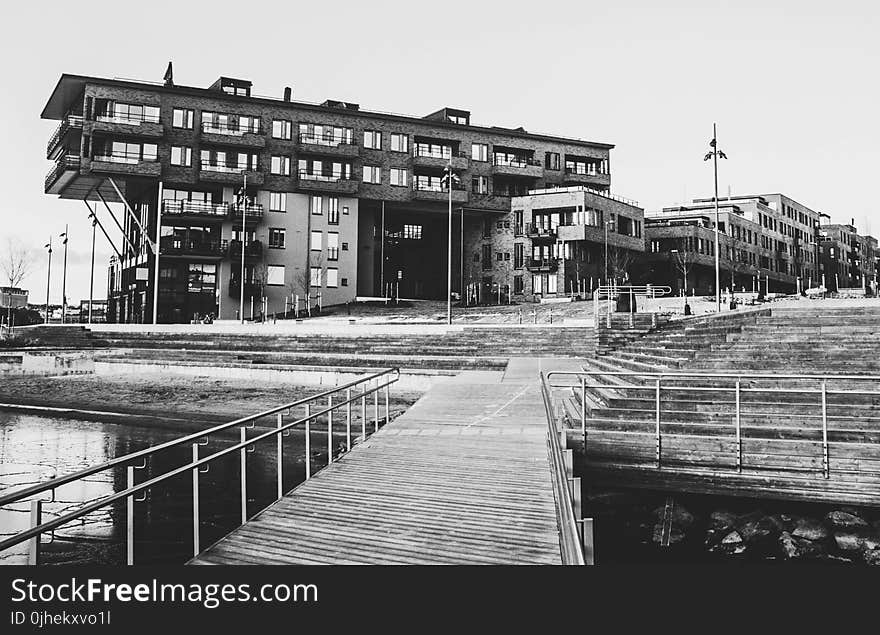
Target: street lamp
[[64, 280], [242, 201], [716, 154], [92, 274], [608, 223], [450, 178], [48, 276]]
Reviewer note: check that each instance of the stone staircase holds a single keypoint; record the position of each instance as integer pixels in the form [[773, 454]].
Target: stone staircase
[[68, 336], [782, 448]]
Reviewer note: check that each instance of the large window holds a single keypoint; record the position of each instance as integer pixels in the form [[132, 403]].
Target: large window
[[518, 253], [412, 232], [315, 205], [480, 151], [316, 240], [181, 156], [480, 184], [399, 177], [332, 278], [315, 276], [182, 118], [372, 174], [275, 275], [399, 142], [333, 210], [280, 165], [276, 237], [332, 246], [317, 134], [373, 139], [551, 160], [125, 152], [277, 202], [281, 129]]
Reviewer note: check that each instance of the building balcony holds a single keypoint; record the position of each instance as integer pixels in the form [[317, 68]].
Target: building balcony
[[253, 251], [56, 144], [439, 193], [575, 177], [130, 125], [228, 175], [439, 160], [541, 232], [253, 212], [523, 167], [65, 170], [124, 164], [172, 246], [196, 210], [229, 136], [319, 144], [326, 183], [542, 265]]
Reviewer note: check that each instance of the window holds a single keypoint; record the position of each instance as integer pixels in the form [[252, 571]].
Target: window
[[372, 174], [487, 228], [480, 184], [480, 151], [518, 222], [399, 142], [277, 202], [280, 166], [344, 246], [332, 278], [398, 177], [517, 284], [333, 210], [182, 118], [551, 160], [315, 205], [499, 256], [247, 161], [317, 240], [332, 246], [315, 276], [345, 210], [275, 275], [487, 256], [276, 237], [281, 129], [373, 139], [412, 232], [518, 255], [345, 282], [181, 156]]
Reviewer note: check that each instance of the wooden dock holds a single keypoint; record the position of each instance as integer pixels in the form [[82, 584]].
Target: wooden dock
[[463, 477]]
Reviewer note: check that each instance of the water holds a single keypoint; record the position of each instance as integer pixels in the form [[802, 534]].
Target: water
[[35, 448]]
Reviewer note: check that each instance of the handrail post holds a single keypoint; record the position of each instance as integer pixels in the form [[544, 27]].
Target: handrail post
[[308, 442], [329, 430], [387, 405], [376, 407], [364, 413], [129, 518], [576, 503], [279, 465], [348, 420], [34, 543], [657, 401], [825, 466], [195, 501], [243, 469], [739, 449], [584, 412]]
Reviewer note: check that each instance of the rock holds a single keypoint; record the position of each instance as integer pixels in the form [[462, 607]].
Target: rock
[[733, 543], [856, 540], [754, 531], [721, 521], [844, 520], [810, 529], [872, 557], [780, 522], [793, 548]]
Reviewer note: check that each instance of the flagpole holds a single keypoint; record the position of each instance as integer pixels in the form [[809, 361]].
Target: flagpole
[[449, 250], [243, 243], [64, 280]]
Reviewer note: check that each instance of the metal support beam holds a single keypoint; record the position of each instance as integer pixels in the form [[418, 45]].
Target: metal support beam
[[121, 230], [149, 241], [104, 231]]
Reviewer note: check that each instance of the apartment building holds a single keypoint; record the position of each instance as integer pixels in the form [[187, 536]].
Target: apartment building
[[326, 198], [766, 240], [847, 259], [555, 241]]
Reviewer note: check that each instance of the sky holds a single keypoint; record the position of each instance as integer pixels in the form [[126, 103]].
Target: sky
[[792, 85]]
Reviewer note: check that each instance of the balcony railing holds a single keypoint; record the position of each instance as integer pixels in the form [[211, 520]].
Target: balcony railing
[[64, 163], [132, 120], [330, 141], [433, 153], [225, 169], [69, 122], [324, 178], [542, 265], [232, 249], [124, 157], [517, 162], [195, 208], [540, 231], [254, 211], [227, 129], [182, 246], [437, 187]]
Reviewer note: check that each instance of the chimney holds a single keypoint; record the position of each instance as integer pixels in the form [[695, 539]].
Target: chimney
[[287, 93]]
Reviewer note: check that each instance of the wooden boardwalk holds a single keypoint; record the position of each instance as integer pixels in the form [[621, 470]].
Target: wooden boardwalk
[[462, 477]]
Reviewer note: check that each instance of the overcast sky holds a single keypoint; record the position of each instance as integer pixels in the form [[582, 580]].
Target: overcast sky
[[793, 86]]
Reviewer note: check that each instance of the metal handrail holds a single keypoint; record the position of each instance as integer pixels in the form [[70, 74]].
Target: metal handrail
[[242, 447], [571, 549], [56, 482]]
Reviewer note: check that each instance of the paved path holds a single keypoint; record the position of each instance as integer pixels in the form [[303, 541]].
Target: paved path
[[461, 478]]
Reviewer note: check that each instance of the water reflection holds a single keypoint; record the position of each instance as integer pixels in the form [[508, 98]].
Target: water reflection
[[34, 448]]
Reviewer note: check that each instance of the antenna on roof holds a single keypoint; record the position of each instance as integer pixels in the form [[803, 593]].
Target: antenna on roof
[[169, 75]]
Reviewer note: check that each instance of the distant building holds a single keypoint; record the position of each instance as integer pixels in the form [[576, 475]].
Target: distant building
[[99, 311], [765, 239], [848, 260]]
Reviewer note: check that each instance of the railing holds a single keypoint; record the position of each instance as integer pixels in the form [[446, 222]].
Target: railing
[[583, 188], [584, 172], [62, 164], [227, 129], [199, 208], [542, 264], [612, 292], [566, 490], [540, 231], [331, 141], [70, 121], [254, 211], [433, 153], [382, 380], [519, 162], [324, 178], [135, 120], [130, 158], [232, 248], [787, 441], [233, 169], [193, 247], [423, 186]]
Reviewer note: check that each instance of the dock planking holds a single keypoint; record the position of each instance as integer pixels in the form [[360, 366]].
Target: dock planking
[[463, 477]]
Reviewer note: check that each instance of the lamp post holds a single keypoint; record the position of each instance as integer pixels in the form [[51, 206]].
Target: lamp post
[[716, 154], [92, 273], [64, 280], [450, 178], [242, 201], [48, 277]]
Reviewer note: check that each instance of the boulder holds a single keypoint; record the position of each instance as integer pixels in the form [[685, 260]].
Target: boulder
[[810, 529], [733, 543], [794, 548], [872, 557], [844, 520], [755, 531], [722, 521], [856, 540]]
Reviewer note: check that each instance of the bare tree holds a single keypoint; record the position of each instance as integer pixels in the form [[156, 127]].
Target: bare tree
[[619, 261], [16, 261]]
